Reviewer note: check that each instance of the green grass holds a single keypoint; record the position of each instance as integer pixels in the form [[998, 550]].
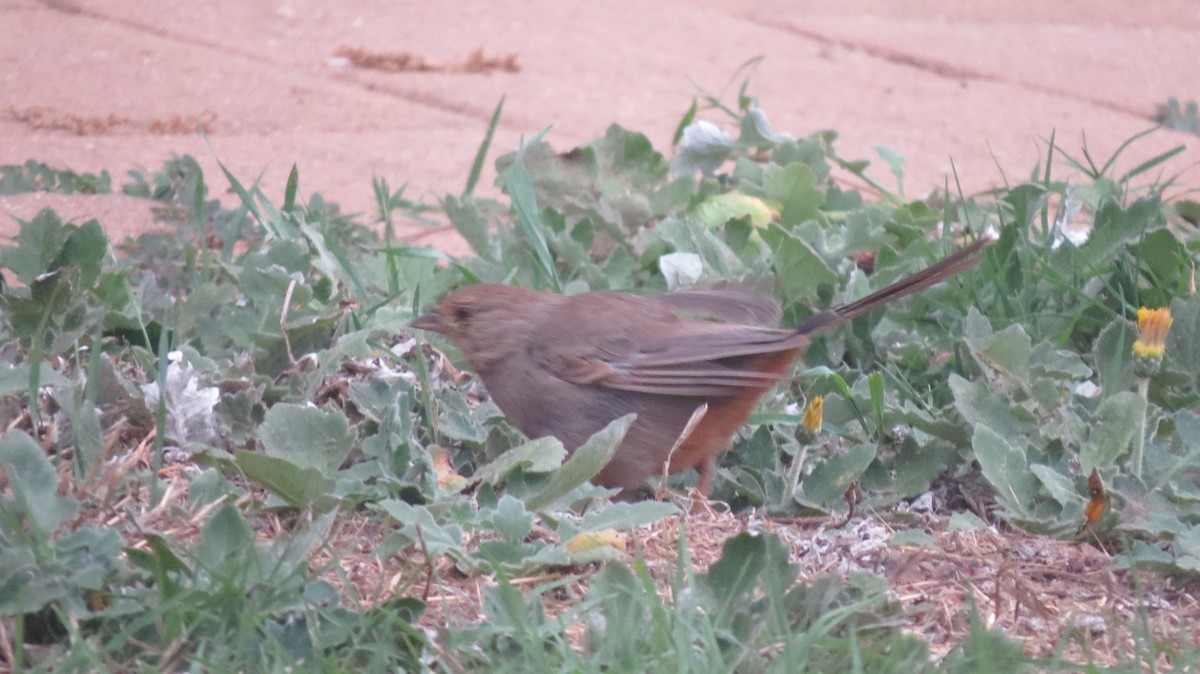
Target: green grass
[[300, 403]]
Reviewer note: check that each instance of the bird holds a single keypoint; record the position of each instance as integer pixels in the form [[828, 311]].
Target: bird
[[567, 366]]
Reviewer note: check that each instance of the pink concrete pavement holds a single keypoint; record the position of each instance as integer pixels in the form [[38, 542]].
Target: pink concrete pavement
[[980, 84]]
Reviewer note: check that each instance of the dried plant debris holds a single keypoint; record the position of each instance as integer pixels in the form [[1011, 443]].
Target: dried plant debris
[[398, 62], [1040, 591], [53, 120], [47, 119]]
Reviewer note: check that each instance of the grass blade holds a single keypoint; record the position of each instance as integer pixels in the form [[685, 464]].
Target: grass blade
[[685, 122], [477, 165], [524, 205], [875, 381], [1151, 163], [383, 197], [289, 192]]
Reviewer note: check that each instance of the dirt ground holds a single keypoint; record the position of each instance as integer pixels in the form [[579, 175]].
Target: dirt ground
[[348, 91]]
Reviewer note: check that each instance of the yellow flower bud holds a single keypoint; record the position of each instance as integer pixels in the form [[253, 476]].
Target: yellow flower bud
[[814, 414], [1152, 328]]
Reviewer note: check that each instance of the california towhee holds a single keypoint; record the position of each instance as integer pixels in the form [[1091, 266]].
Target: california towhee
[[567, 366]]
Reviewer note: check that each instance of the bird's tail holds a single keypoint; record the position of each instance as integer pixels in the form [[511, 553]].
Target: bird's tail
[[961, 260]]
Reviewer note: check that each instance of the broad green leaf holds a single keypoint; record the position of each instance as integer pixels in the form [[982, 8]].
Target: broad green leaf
[[976, 330], [34, 483], [757, 130], [224, 540], [794, 188], [829, 481], [14, 379], [800, 271], [1026, 201], [160, 559], [627, 162], [471, 224], [1059, 486], [511, 519], [419, 527], [299, 486], [540, 455], [327, 258], [1115, 423], [1167, 258], [980, 404], [735, 575], [290, 553], [1006, 469], [618, 516], [584, 464], [944, 424], [458, 421], [620, 599], [1187, 550], [918, 464], [1115, 227], [520, 558], [1009, 351], [813, 152], [86, 246], [777, 581], [1058, 363], [1146, 555], [686, 235], [75, 563], [1113, 355], [39, 242], [307, 436], [1183, 340], [1187, 429]]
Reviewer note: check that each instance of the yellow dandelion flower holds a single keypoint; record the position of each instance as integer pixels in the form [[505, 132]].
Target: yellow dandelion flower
[[1152, 332], [814, 414]]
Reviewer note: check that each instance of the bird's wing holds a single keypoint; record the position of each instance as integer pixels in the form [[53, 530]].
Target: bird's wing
[[727, 304], [694, 359], [642, 344]]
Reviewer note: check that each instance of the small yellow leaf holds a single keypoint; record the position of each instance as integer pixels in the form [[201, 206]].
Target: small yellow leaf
[[592, 540], [716, 211], [448, 478]]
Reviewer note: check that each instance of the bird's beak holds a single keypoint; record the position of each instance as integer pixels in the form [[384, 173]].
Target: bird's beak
[[431, 321]]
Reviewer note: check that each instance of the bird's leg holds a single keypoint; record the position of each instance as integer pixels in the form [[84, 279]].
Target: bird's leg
[[692, 423], [706, 469]]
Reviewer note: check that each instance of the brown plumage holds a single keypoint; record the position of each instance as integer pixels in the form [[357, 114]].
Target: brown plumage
[[567, 366]]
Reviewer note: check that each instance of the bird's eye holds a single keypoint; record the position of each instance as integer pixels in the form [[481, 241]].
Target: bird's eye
[[462, 314]]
